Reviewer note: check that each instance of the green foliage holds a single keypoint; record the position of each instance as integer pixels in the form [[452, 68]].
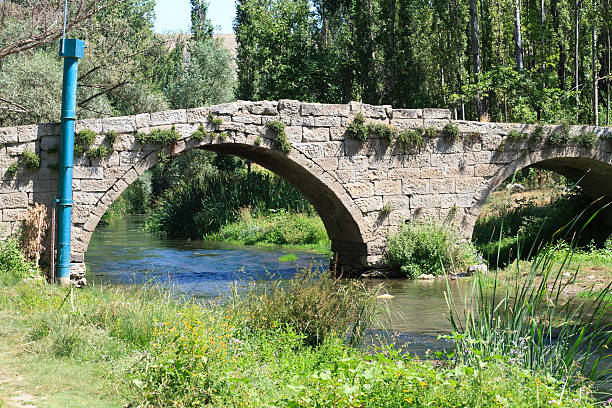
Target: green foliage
[[382, 130], [409, 139], [223, 136], [357, 128], [13, 169], [280, 140], [516, 136], [429, 132], [428, 248], [111, 137], [386, 209], [276, 227], [192, 209], [560, 136], [314, 304], [537, 136], [83, 141], [200, 134], [214, 120], [451, 132], [30, 160], [288, 258], [159, 137], [587, 139], [13, 265], [99, 152], [258, 141], [528, 326]]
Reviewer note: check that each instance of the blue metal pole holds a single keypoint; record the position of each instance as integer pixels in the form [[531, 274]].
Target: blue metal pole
[[71, 50]]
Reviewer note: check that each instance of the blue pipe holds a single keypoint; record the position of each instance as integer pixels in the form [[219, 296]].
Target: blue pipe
[[71, 50]]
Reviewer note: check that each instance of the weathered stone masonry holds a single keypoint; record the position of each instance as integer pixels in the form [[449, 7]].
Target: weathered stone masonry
[[362, 190]]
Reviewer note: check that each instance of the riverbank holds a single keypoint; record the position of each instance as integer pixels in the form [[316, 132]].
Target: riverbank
[[108, 346], [290, 230]]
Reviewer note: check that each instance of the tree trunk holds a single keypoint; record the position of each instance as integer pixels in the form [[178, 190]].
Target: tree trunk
[[393, 12], [576, 54], [475, 52], [608, 81], [595, 78], [518, 43]]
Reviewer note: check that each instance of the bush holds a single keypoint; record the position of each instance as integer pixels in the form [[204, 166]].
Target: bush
[[280, 140], [315, 305], [13, 265], [451, 132], [587, 139], [410, 139], [428, 248], [560, 136], [357, 129], [538, 134], [382, 130], [159, 137], [200, 207], [30, 160], [83, 141]]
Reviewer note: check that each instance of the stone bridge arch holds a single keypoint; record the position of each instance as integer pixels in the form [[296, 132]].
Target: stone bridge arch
[[363, 190]]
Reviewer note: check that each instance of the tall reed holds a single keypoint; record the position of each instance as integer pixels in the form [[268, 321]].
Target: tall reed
[[531, 322]]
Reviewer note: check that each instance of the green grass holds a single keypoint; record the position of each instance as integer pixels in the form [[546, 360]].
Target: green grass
[[279, 345], [288, 258], [294, 230]]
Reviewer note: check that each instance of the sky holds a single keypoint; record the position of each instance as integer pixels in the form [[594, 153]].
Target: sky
[[173, 16]]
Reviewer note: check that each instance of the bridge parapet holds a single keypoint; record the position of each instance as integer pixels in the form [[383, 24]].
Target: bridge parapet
[[363, 190]]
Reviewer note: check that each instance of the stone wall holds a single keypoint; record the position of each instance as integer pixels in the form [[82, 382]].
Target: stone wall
[[362, 190]]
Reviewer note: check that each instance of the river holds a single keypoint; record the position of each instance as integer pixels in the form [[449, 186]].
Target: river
[[121, 253]]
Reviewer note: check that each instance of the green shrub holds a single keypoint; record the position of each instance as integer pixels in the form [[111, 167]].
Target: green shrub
[[30, 160], [357, 129], [516, 136], [159, 137], [314, 304], [83, 141], [99, 152], [429, 132], [195, 208], [428, 248], [409, 139], [111, 137], [382, 130], [538, 134], [587, 139], [280, 139], [560, 136], [13, 265], [13, 169], [200, 134], [258, 141], [451, 132], [214, 120]]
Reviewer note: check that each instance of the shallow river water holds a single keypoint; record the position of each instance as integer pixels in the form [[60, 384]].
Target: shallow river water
[[120, 253]]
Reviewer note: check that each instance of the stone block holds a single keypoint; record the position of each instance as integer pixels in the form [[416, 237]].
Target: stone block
[[443, 186], [9, 135], [246, 119], [404, 124], [50, 143], [89, 173], [315, 134], [171, 117], [388, 187], [338, 133], [432, 172], [415, 186], [468, 185], [123, 124], [264, 108], [289, 107], [360, 190], [434, 113], [370, 204], [13, 200], [95, 125], [328, 121], [27, 133], [310, 150], [407, 114], [13, 215], [328, 163], [333, 149], [316, 109]]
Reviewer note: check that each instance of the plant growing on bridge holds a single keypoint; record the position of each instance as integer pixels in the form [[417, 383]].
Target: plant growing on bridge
[[560, 136], [13, 169], [516, 136], [258, 141], [159, 137], [111, 137], [538, 134], [451, 132], [587, 139], [30, 160], [99, 152], [83, 141], [357, 129], [214, 120], [408, 139], [280, 139], [382, 130], [200, 134]]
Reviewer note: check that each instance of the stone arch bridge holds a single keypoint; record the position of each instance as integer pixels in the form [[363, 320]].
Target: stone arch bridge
[[363, 190]]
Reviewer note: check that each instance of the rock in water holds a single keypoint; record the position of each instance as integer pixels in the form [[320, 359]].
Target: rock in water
[[426, 276]]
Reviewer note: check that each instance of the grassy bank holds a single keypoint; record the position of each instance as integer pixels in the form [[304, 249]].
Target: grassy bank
[[292, 230], [292, 344]]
